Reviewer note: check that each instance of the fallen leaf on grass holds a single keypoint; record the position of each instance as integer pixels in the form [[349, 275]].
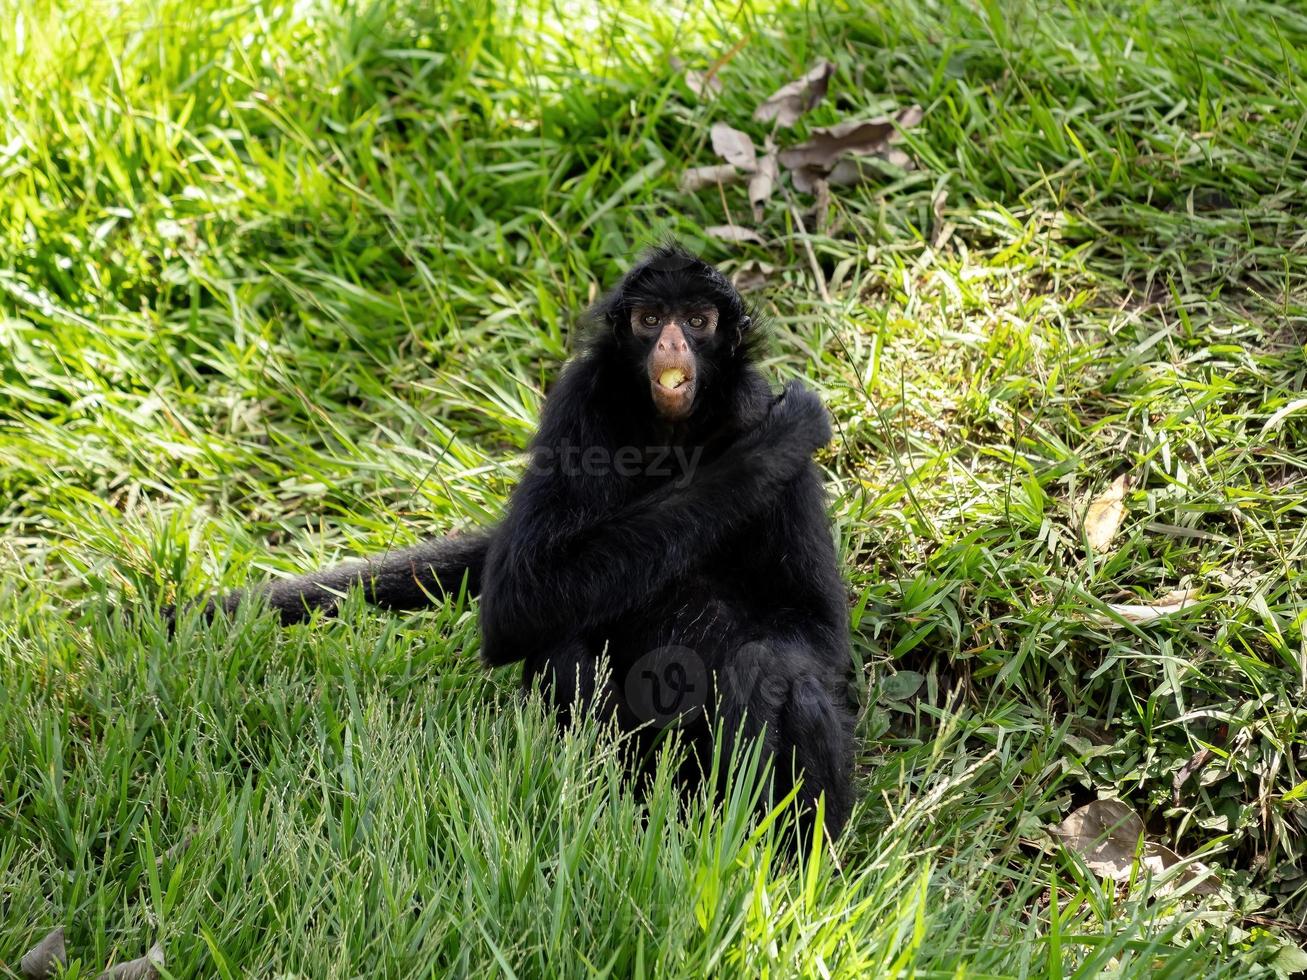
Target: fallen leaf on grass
[[1109, 836], [910, 116], [705, 85], [789, 102], [178, 849], [1105, 513], [763, 183], [827, 145], [697, 178], [1170, 603], [1195, 763], [734, 233], [142, 968], [856, 170], [752, 276], [941, 229], [937, 204], [46, 958], [806, 180], [821, 205], [733, 146], [839, 154]]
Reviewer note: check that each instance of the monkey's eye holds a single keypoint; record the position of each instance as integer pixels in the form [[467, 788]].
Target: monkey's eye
[[697, 322], [649, 320]]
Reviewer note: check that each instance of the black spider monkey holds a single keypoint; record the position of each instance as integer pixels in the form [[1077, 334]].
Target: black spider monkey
[[671, 520]]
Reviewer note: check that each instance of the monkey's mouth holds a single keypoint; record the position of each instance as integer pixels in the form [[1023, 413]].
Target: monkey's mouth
[[674, 378], [673, 393]]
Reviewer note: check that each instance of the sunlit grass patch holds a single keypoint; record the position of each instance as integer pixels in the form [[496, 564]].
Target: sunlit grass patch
[[282, 284]]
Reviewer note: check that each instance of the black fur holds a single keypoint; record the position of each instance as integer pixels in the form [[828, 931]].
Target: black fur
[[696, 556]]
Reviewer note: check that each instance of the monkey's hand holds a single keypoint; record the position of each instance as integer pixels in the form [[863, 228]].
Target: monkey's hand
[[797, 416]]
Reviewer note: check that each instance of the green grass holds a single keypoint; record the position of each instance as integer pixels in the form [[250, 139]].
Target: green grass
[[281, 284]]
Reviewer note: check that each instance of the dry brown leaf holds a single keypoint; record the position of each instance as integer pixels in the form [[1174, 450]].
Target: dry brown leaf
[[789, 102], [752, 276], [898, 158], [909, 117], [827, 145], [733, 146], [821, 206], [940, 229], [807, 179], [937, 204], [1105, 833], [697, 178], [846, 173], [176, 851], [1131, 612], [857, 170], [706, 86], [734, 233], [852, 171], [1104, 515], [763, 183], [46, 958], [1109, 836], [142, 968], [1195, 764]]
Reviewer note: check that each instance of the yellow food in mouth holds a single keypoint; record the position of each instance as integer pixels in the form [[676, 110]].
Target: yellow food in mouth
[[672, 378]]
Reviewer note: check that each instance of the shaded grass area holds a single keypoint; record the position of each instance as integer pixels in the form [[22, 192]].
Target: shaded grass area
[[282, 284]]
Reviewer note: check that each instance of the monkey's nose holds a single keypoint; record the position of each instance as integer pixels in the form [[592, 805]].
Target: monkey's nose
[[677, 345]]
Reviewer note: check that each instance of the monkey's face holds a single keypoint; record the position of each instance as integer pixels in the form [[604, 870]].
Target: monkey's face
[[680, 326], [676, 341]]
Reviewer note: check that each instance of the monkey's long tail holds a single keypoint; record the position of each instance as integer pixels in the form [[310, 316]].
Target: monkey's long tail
[[408, 579]]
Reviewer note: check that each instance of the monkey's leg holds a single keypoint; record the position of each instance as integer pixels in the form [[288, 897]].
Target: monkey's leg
[[569, 679], [777, 691]]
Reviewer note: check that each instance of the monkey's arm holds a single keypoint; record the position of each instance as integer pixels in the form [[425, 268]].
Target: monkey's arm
[[541, 581], [405, 579], [807, 588], [802, 602]]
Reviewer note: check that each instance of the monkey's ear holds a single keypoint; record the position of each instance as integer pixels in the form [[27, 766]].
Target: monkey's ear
[[741, 328], [606, 311]]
